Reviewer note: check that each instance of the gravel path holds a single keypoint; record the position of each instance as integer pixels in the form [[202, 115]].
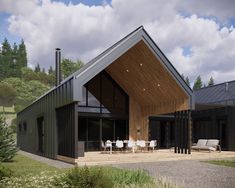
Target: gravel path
[[192, 174]]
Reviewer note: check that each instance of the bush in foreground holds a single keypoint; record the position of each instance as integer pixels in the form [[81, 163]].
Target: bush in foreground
[[7, 142], [85, 177], [5, 172]]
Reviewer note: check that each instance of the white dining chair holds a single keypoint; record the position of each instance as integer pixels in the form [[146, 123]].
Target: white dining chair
[[131, 145], [153, 144], [142, 145], [119, 144]]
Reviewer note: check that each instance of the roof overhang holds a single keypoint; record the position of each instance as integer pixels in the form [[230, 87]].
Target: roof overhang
[[109, 56]]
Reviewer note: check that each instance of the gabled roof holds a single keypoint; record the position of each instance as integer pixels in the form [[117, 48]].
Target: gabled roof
[[111, 54], [215, 94], [99, 63]]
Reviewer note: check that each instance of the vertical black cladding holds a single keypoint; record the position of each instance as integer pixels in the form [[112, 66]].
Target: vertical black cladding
[[183, 132], [67, 130], [58, 66]]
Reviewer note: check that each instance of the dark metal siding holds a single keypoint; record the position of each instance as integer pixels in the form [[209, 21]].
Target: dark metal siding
[[45, 107], [217, 94], [208, 121], [67, 130]]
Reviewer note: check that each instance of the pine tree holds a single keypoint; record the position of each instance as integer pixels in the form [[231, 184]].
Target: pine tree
[[22, 54], [37, 68], [14, 64], [7, 142], [187, 81], [6, 60], [50, 70], [197, 83], [211, 81]]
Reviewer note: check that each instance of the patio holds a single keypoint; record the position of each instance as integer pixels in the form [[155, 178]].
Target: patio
[[98, 158]]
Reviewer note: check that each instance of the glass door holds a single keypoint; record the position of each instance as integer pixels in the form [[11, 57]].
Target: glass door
[[107, 130], [93, 140]]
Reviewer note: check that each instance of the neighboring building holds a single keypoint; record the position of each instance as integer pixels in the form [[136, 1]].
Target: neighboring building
[[111, 97], [220, 94], [215, 114]]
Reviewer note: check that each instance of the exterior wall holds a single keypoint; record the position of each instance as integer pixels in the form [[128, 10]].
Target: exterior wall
[[139, 115], [67, 129], [28, 140], [211, 117]]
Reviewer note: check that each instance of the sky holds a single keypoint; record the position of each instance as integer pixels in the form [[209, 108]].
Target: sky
[[197, 36]]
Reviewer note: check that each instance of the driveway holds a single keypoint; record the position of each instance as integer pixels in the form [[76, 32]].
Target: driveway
[[192, 174]]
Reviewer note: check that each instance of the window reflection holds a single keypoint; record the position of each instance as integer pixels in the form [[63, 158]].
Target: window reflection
[[102, 92]]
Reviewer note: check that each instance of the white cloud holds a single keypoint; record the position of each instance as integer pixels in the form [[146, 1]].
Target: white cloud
[[83, 31]]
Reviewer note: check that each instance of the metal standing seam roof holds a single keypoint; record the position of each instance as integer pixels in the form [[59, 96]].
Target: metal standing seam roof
[[153, 46], [216, 93]]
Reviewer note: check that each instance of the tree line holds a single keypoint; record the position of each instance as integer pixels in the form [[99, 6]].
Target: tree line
[[198, 83], [21, 85], [12, 59]]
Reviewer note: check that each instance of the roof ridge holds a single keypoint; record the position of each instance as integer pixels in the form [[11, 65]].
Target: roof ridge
[[215, 85]]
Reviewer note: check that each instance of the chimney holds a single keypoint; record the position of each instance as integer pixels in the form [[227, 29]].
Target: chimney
[[226, 86], [58, 66]]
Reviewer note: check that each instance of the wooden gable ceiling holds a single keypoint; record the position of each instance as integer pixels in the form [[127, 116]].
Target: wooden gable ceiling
[[143, 77]]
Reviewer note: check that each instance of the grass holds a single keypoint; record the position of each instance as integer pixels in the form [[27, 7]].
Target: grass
[[229, 163], [10, 110], [22, 166]]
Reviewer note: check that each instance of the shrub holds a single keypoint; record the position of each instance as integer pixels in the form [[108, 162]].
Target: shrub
[[85, 177], [5, 172], [7, 142], [13, 125], [129, 177], [29, 181]]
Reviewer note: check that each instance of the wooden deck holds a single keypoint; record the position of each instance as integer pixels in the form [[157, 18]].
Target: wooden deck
[[98, 158]]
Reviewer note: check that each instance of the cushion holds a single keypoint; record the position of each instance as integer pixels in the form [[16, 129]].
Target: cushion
[[201, 142], [204, 148], [212, 142]]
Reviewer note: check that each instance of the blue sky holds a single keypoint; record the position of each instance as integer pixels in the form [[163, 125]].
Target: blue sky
[[4, 29], [197, 36], [14, 38]]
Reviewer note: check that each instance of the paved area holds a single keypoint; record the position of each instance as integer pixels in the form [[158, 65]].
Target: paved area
[[98, 158], [192, 174], [184, 170]]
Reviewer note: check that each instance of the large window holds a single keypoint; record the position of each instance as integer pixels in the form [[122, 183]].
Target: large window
[[93, 131], [103, 95]]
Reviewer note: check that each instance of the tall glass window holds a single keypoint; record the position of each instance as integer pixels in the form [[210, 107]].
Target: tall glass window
[[102, 95]]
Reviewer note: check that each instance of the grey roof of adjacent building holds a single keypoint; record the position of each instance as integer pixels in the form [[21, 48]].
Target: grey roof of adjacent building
[[216, 94], [99, 63]]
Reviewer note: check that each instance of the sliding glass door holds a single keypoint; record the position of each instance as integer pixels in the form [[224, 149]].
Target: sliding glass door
[[94, 130]]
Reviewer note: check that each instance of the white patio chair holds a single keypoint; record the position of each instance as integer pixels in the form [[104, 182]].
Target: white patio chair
[[153, 144], [130, 145], [119, 144], [142, 145]]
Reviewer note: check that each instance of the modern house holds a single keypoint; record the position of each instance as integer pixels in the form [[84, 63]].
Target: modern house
[[130, 91], [111, 97]]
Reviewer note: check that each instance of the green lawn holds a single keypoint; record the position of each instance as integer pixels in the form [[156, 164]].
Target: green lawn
[[22, 165], [230, 163], [10, 110], [30, 173]]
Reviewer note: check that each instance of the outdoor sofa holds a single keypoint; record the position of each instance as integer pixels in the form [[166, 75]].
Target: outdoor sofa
[[207, 144]]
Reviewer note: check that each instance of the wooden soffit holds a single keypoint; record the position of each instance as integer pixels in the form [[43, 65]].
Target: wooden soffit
[[143, 77]]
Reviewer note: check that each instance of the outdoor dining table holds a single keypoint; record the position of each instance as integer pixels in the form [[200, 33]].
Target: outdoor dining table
[[125, 142]]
